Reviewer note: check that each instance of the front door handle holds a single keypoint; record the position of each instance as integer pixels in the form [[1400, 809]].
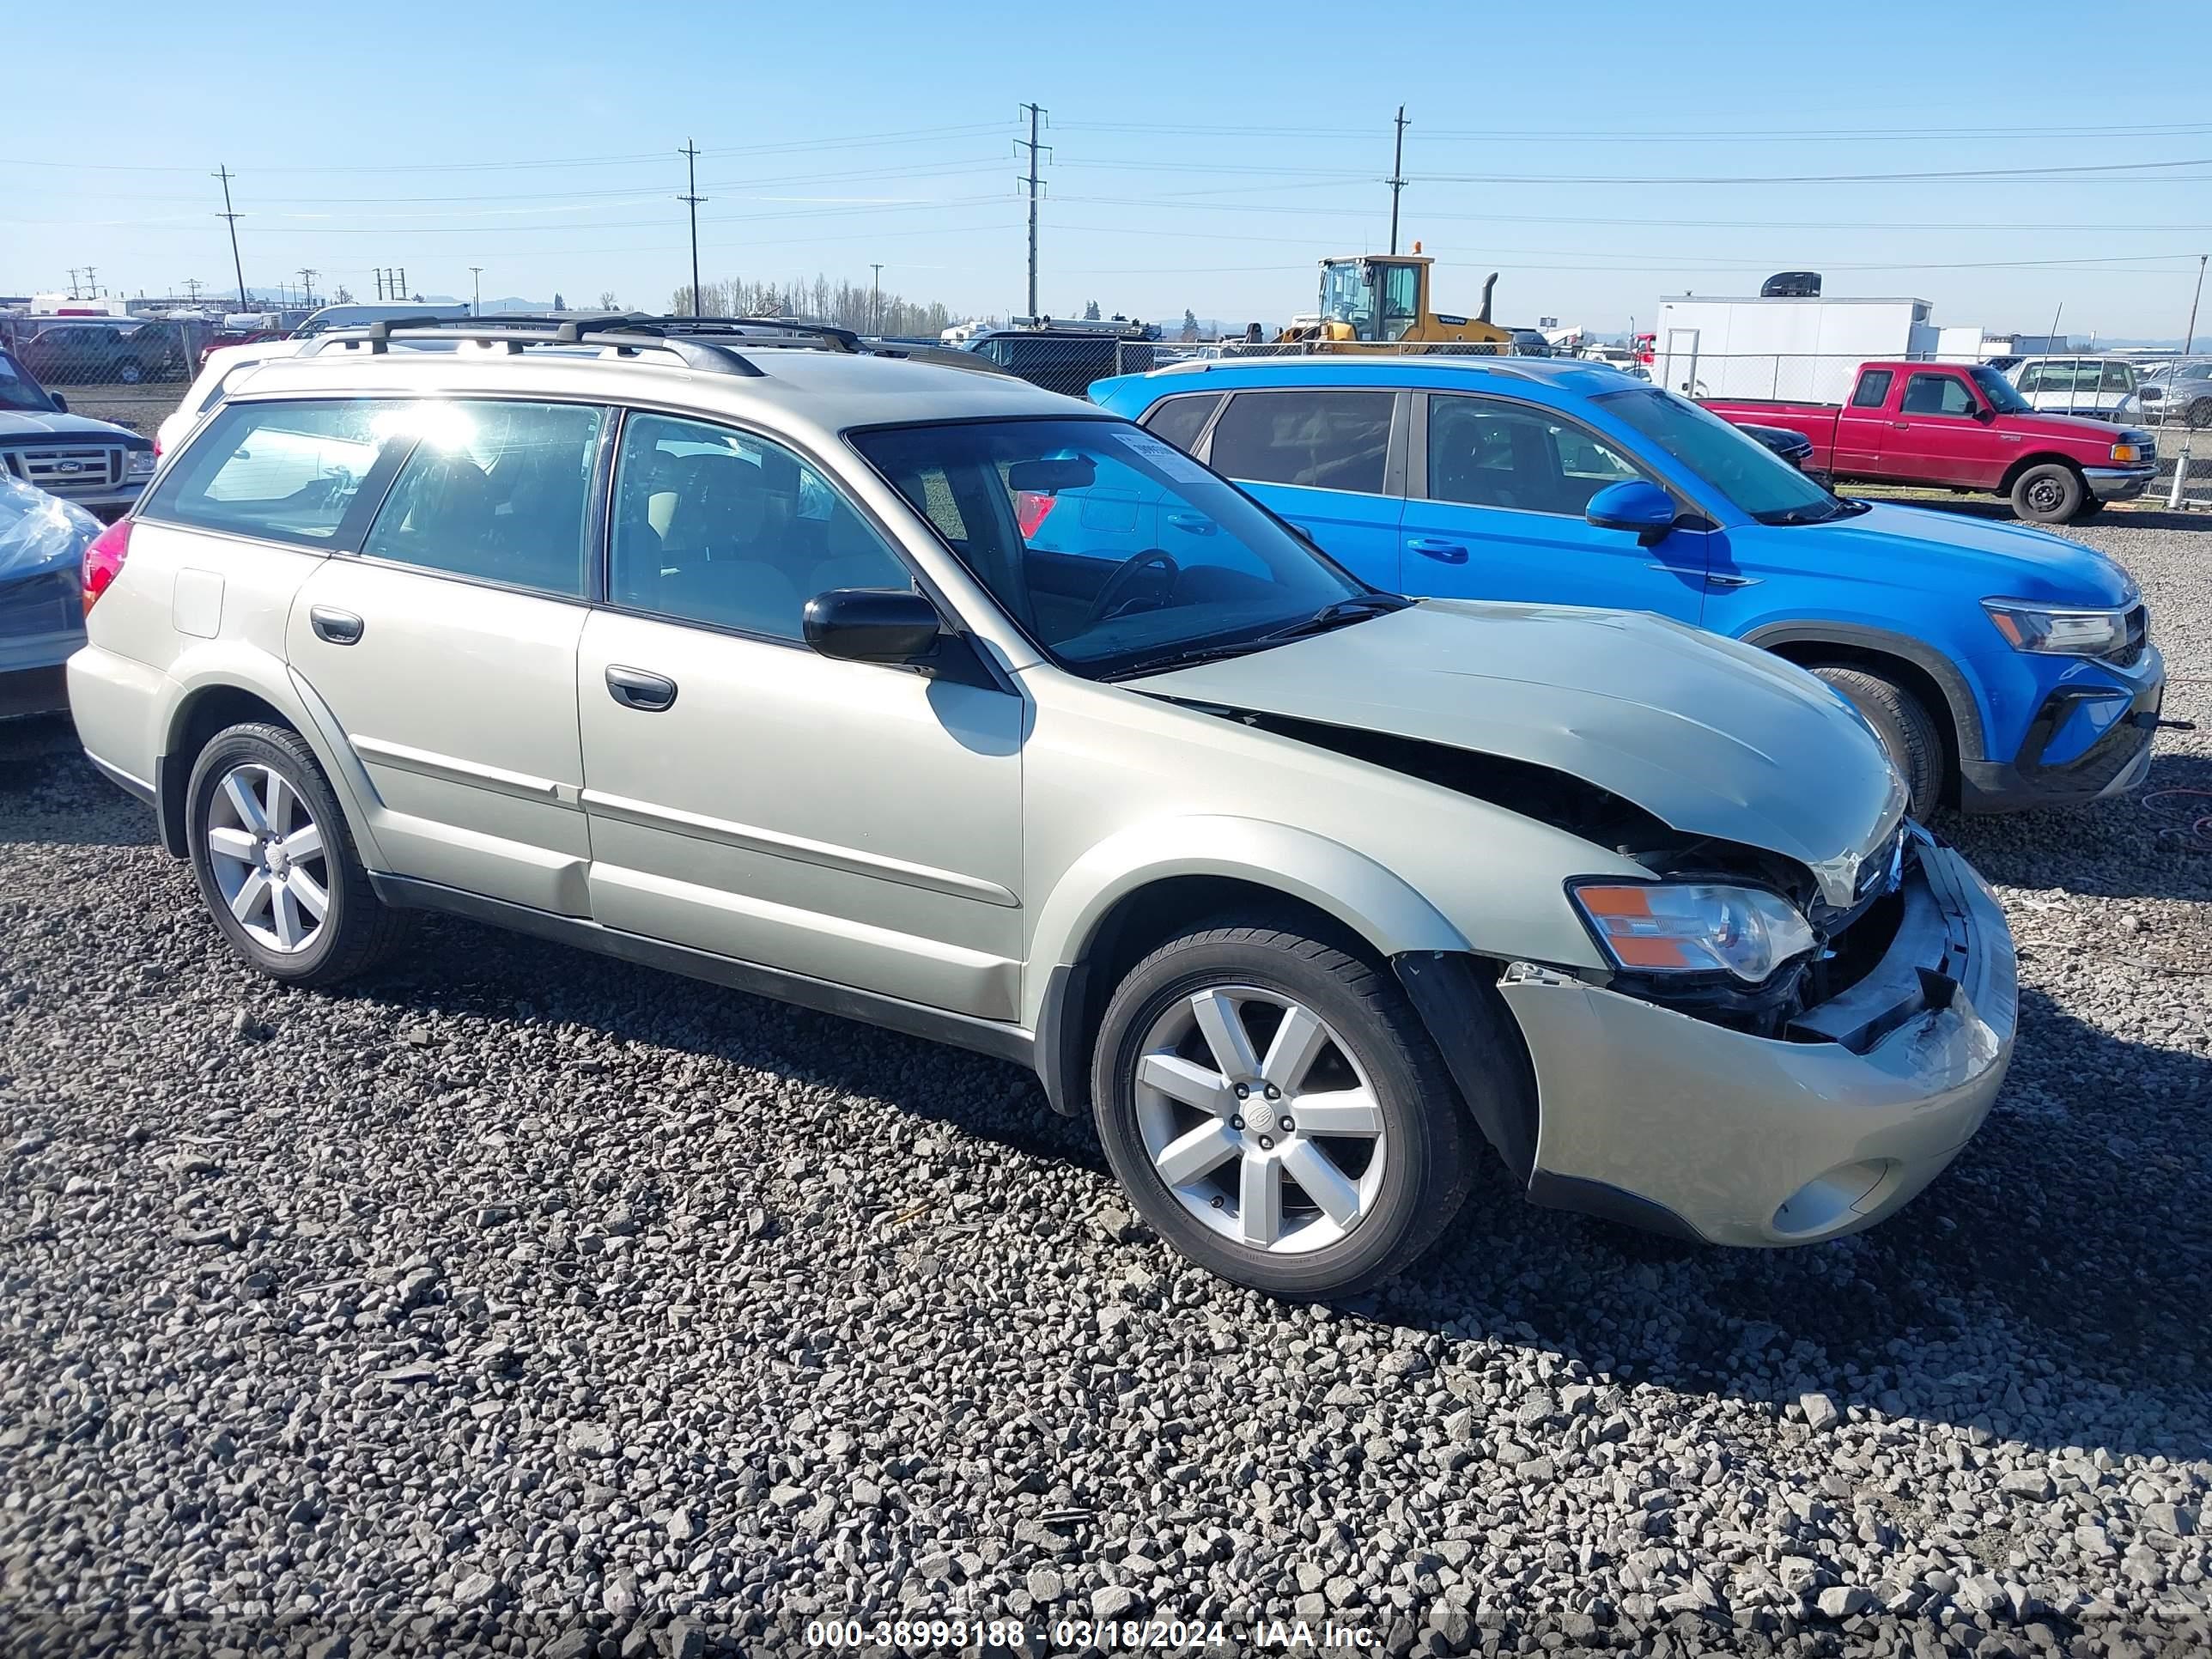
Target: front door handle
[[1441, 552], [1196, 524], [633, 687], [1902, 426], [338, 627]]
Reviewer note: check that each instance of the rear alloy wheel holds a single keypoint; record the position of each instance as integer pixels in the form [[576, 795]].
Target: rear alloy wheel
[[274, 860], [1275, 1110], [129, 372], [2049, 493], [1908, 732]]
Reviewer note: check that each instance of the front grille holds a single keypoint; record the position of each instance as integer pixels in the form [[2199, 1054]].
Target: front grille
[[69, 471], [2130, 652]]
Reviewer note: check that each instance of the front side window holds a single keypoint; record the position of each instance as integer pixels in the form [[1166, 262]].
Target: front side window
[[1737, 468], [1485, 453], [1873, 389], [1321, 440], [1937, 394], [1114, 551], [281, 472], [2119, 377], [19, 391], [717, 526], [1348, 296], [495, 491]]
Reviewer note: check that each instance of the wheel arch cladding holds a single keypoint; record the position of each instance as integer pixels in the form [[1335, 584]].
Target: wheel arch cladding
[[200, 715], [1141, 886], [1919, 668]]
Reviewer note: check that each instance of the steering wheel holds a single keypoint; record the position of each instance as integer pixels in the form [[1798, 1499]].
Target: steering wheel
[[1126, 574]]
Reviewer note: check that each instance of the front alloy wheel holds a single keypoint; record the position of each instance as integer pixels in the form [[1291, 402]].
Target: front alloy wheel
[[1280, 1148]]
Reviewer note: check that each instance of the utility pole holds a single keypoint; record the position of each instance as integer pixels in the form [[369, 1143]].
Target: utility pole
[[231, 219], [1031, 145], [476, 292], [307, 285], [1397, 179], [875, 303], [402, 294], [192, 290], [692, 198], [2189, 345]]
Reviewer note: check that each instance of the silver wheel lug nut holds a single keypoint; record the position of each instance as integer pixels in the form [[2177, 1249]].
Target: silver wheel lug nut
[[1241, 1092], [1236, 1122], [1287, 1125], [1274, 1093], [1266, 1144]]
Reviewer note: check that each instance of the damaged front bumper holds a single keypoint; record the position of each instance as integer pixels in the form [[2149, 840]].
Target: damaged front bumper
[[1652, 1117]]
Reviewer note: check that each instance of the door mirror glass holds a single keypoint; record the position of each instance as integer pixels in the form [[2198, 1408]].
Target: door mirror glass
[[1643, 509], [872, 624], [61, 404]]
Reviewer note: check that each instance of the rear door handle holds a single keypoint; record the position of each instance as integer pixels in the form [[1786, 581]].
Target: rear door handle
[[633, 687], [1196, 523], [338, 627], [1441, 552]]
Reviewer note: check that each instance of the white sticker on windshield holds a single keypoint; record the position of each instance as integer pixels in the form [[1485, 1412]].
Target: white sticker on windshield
[[1178, 466]]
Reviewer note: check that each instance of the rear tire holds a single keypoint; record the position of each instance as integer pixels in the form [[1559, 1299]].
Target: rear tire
[[2049, 494], [276, 863], [1344, 1206], [1908, 732], [129, 372]]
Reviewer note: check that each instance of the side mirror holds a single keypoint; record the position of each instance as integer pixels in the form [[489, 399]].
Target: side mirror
[[61, 404], [1642, 508], [1984, 414], [872, 624]]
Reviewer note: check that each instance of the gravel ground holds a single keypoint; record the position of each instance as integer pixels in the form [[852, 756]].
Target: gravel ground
[[518, 1301]]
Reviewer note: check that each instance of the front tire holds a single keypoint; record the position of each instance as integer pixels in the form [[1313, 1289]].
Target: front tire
[[1346, 1155], [2049, 493], [1908, 732], [276, 863], [129, 372]]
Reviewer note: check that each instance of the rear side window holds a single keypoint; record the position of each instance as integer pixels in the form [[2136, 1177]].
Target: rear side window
[[1323, 440], [283, 472], [1180, 420], [495, 491], [1873, 389]]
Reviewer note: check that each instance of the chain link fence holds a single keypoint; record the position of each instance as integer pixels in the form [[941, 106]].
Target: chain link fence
[[128, 370]]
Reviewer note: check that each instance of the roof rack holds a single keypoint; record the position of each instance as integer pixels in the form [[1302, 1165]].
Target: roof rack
[[707, 343]]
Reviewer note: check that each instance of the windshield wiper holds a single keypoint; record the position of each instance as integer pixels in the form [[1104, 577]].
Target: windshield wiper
[[1814, 513], [1358, 608], [1336, 615]]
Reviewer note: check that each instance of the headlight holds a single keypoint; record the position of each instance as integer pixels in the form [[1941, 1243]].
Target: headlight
[[140, 464], [2063, 633], [1691, 927]]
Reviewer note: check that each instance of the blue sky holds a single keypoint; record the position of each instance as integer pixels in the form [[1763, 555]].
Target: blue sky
[[1202, 156]]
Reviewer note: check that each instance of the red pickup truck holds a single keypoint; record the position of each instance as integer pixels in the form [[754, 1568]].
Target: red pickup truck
[[1963, 427]]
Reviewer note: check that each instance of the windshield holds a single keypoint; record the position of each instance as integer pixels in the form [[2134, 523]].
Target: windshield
[[19, 391], [1740, 469], [1347, 295], [1115, 551], [1998, 391]]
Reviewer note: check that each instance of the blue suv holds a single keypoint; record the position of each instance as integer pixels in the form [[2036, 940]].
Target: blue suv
[[2002, 666]]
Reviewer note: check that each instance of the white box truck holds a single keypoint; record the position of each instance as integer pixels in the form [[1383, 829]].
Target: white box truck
[[1801, 349]]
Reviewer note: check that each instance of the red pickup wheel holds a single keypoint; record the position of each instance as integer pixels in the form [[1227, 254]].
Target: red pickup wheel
[[2053, 493]]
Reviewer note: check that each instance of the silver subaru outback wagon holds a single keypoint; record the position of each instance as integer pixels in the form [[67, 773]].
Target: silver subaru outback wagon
[[926, 698]]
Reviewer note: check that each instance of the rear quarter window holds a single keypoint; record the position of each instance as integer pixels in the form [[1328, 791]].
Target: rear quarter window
[[281, 472]]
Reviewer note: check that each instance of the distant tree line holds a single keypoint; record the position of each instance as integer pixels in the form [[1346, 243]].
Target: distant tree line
[[856, 306]]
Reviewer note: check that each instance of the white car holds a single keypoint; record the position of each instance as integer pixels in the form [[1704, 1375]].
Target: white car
[[2100, 387], [222, 368]]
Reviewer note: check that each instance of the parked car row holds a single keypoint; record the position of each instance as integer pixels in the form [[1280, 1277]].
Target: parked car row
[[917, 693]]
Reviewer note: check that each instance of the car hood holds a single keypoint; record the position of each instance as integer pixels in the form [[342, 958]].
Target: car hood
[[2004, 561], [1713, 738], [52, 423], [2100, 435]]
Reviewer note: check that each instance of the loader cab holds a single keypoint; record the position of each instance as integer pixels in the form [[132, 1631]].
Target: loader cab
[[1373, 300]]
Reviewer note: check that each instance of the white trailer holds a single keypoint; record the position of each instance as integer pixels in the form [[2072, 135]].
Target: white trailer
[[1804, 349]]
